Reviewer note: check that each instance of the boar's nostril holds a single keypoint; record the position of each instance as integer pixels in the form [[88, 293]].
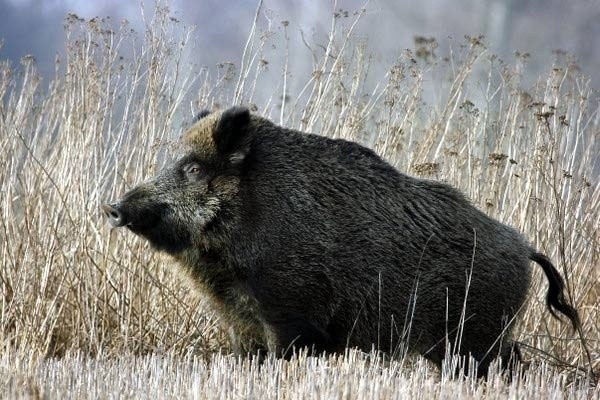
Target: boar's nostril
[[115, 216]]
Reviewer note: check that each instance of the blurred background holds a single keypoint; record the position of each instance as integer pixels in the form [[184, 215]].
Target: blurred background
[[537, 27]]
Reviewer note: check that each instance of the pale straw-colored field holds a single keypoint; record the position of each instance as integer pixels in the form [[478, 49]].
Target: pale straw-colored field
[[86, 312]]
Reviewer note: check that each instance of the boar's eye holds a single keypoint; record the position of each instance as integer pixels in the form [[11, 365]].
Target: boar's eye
[[192, 171]]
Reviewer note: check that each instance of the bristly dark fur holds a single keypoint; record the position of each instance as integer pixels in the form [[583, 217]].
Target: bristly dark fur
[[299, 240]]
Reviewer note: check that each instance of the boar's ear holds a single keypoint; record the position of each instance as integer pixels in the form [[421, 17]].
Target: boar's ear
[[201, 115], [231, 129]]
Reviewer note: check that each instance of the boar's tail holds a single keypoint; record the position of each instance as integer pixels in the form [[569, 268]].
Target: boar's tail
[[555, 299]]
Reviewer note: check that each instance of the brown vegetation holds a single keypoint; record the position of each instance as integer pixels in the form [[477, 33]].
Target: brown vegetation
[[72, 288]]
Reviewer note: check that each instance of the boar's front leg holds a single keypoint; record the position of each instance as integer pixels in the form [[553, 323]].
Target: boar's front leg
[[295, 304], [288, 332]]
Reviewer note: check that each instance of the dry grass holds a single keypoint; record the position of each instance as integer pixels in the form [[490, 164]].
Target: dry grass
[[353, 376], [87, 311]]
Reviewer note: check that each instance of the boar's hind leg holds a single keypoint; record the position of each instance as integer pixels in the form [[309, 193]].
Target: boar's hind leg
[[511, 357], [291, 332], [509, 354]]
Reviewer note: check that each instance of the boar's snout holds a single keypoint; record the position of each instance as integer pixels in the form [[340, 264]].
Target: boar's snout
[[115, 216]]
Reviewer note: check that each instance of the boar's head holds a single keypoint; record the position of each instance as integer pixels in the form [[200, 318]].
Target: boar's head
[[174, 209]]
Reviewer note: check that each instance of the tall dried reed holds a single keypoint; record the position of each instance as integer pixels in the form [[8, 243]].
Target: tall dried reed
[[113, 112]]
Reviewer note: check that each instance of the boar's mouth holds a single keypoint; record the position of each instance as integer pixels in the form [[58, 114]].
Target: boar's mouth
[[150, 224]]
